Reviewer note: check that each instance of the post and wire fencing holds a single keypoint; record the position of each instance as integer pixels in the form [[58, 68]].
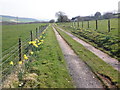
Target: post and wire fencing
[[105, 25], [13, 58]]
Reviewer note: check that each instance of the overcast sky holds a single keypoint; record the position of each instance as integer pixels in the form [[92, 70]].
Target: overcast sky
[[46, 9]]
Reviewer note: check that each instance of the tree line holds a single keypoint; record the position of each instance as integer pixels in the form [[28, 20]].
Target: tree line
[[62, 17]]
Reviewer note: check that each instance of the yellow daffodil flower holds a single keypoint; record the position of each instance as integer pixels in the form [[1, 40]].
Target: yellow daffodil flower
[[36, 39], [42, 40], [35, 45], [33, 42], [31, 53], [40, 43], [20, 62], [11, 62], [25, 57], [30, 42]]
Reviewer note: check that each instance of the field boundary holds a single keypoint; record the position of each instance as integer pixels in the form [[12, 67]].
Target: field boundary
[[17, 56]]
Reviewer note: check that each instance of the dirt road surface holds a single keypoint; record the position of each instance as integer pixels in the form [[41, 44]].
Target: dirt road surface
[[80, 73]]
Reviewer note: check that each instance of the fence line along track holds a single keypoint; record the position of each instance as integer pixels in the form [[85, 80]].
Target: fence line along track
[[12, 54]]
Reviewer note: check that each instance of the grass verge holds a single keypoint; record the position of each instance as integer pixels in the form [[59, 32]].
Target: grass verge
[[49, 66], [103, 70]]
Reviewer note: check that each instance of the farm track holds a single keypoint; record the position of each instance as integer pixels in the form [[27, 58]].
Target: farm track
[[105, 57], [81, 74]]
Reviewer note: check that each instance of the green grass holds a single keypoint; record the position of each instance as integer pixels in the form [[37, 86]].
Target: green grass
[[96, 64], [11, 33], [50, 64], [103, 26]]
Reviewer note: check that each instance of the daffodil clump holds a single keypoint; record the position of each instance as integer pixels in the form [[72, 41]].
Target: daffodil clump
[[34, 43], [37, 42], [12, 63], [27, 58]]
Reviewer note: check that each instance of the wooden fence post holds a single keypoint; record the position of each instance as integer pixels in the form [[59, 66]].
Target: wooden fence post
[[82, 24], [31, 36], [119, 30], [96, 24], [20, 51], [88, 24], [78, 24], [36, 33], [39, 30], [73, 24], [109, 25]]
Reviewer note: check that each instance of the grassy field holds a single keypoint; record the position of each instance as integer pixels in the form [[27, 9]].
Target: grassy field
[[11, 33], [97, 65]]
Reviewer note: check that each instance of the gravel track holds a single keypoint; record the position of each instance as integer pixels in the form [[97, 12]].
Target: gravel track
[[82, 76]]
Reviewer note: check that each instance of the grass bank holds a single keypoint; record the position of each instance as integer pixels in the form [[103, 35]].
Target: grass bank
[[49, 65]]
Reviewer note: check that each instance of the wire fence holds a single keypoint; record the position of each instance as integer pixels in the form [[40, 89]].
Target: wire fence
[[107, 26], [13, 57], [98, 25]]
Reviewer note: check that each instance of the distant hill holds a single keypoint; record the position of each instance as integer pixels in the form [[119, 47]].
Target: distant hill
[[14, 19]]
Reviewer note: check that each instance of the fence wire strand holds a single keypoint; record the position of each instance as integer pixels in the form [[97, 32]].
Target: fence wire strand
[[10, 48]]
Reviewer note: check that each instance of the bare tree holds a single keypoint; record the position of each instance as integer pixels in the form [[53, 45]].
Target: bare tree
[[61, 17], [52, 21], [97, 15]]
